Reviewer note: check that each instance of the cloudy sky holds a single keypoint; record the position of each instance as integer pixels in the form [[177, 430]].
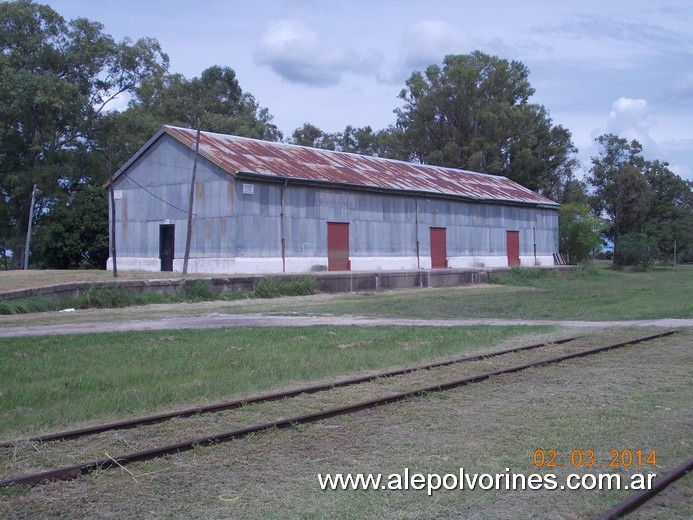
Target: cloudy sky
[[598, 66]]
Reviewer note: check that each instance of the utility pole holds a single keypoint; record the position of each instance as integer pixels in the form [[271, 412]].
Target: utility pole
[[188, 238], [28, 230], [113, 211]]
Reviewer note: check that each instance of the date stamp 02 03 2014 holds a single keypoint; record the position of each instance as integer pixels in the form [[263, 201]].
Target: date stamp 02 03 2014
[[587, 458]]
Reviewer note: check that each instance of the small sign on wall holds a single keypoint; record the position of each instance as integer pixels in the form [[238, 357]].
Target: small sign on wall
[[248, 189], [117, 194]]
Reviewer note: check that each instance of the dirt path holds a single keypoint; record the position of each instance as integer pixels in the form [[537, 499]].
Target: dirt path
[[217, 321]]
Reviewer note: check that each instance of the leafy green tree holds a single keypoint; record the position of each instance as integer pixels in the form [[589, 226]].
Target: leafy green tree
[[579, 232], [615, 155], [474, 113], [641, 196], [73, 233], [574, 191], [57, 80], [311, 136], [670, 219], [362, 141], [621, 193], [215, 99]]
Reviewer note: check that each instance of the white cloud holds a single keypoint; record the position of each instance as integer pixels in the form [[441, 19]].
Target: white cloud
[[425, 43], [298, 54], [429, 41], [629, 119]]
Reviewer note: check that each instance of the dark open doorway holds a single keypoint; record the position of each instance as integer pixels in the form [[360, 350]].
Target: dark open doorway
[[166, 246]]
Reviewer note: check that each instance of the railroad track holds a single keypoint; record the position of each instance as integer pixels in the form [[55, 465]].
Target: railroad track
[[638, 499], [232, 405], [75, 470]]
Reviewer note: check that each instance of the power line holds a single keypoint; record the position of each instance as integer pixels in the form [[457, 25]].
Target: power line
[[129, 179]]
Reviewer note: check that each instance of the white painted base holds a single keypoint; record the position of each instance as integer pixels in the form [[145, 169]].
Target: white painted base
[[477, 262], [135, 264], [382, 263], [308, 264], [541, 261]]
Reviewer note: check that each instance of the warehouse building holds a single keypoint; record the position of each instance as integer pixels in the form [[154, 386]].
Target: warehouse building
[[265, 207]]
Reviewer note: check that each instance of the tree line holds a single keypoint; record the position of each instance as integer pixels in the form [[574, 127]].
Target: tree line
[[60, 140]]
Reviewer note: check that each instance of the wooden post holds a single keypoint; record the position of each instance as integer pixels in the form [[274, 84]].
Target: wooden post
[[27, 243], [111, 191], [188, 237]]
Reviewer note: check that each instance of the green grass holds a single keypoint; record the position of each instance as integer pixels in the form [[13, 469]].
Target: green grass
[[105, 297], [588, 294], [275, 287], [27, 305], [55, 382], [94, 298]]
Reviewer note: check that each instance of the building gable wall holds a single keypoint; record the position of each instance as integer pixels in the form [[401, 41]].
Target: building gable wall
[[155, 191]]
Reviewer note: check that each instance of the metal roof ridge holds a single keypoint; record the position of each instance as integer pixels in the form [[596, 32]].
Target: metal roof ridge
[[328, 152], [180, 134]]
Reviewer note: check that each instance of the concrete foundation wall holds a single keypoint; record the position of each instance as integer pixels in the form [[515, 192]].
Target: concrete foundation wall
[[330, 282]]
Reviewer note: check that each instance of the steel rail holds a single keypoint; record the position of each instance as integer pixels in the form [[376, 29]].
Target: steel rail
[[635, 501], [231, 405], [180, 447]]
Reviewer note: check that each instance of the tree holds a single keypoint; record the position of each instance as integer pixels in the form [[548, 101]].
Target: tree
[[475, 114], [639, 196], [311, 136], [574, 191], [579, 231], [621, 194], [362, 141], [73, 233], [670, 219], [215, 99], [57, 79], [635, 250]]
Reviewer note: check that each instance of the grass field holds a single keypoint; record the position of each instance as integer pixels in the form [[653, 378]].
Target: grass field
[[594, 294], [638, 398], [601, 294], [54, 382]]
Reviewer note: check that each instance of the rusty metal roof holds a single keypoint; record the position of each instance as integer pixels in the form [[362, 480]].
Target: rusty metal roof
[[238, 155]]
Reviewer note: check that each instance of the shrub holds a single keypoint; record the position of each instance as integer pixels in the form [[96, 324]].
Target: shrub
[[519, 276], [199, 290], [636, 250], [274, 287], [587, 270], [105, 298]]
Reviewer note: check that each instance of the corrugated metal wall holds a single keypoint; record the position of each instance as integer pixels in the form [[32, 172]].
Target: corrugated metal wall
[[242, 218]]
